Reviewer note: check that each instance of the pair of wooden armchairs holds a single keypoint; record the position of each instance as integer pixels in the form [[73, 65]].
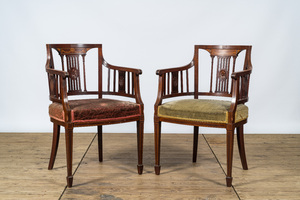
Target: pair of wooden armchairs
[[70, 72]]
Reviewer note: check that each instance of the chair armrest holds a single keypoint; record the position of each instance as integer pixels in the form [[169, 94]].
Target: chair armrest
[[240, 86], [127, 69], [236, 75], [170, 85], [130, 88], [174, 69], [57, 72], [58, 88]]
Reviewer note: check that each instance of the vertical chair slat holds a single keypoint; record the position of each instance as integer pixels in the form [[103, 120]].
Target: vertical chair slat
[[122, 81], [175, 82], [108, 79], [56, 86], [217, 78], [233, 70], [78, 77], [187, 81], [114, 81], [211, 73], [163, 84], [69, 79], [132, 85], [128, 82], [227, 77], [181, 82], [168, 81], [62, 62], [84, 72]]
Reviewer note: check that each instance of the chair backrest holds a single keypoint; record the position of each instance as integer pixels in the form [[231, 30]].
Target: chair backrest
[[74, 59], [223, 61], [220, 66]]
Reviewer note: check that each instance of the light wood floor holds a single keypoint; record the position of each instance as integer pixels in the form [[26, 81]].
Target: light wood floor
[[274, 168]]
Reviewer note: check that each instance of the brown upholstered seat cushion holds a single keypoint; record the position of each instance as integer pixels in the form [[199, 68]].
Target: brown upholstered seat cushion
[[89, 110], [201, 110]]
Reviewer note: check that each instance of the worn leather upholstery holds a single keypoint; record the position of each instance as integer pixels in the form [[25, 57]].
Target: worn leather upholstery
[[95, 110], [202, 110]]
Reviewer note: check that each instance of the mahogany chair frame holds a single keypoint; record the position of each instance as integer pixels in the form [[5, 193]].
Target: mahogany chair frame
[[169, 87], [64, 83]]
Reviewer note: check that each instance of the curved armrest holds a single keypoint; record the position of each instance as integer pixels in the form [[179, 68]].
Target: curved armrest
[[136, 71], [236, 75], [174, 69], [57, 72], [64, 98], [130, 88], [171, 83], [240, 85], [58, 81]]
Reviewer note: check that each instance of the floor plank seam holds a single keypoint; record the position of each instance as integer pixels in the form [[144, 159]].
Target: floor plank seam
[[219, 164], [236, 192], [62, 193], [79, 163], [274, 172]]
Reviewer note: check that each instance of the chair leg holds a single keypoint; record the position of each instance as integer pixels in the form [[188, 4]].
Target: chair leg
[[229, 141], [241, 146], [100, 143], [140, 139], [195, 145], [55, 142], [157, 139], [69, 153]]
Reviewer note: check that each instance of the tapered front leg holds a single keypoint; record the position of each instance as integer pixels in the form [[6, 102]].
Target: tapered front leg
[[140, 140], [69, 153], [55, 142], [157, 139], [229, 141], [195, 144], [100, 143], [241, 146]]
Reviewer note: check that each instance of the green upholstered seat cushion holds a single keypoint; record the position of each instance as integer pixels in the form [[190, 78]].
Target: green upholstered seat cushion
[[202, 110]]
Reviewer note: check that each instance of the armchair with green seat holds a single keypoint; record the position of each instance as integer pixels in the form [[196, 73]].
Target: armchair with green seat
[[221, 105]]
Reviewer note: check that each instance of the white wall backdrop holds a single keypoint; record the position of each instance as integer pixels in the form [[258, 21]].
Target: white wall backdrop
[[150, 35]]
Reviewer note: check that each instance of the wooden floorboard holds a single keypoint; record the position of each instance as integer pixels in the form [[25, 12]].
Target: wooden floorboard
[[24, 161], [179, 179], [273, 160]]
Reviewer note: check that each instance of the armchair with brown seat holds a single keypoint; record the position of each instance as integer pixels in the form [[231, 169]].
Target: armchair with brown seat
[[77, 74], [219, 101]]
